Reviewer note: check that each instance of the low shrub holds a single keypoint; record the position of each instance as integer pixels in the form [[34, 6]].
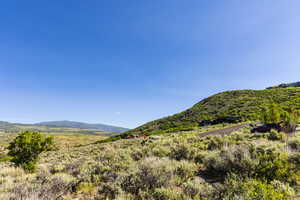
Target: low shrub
[[294, 144], [4, 157], [294, 160], [182, 152], [109, 191], [249, 189], [152, 173], [215, 142], [258, 163], [275, 135], [52, 188], [167, 194], [185, 170], [195, 189], [233, 160], [271, 165]]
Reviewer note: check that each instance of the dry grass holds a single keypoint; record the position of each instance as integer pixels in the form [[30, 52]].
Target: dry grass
[[136, 169]]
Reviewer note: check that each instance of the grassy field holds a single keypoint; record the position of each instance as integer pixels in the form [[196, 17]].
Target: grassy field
[[175, 166], [64, 137], [16, 128], [61, 139]]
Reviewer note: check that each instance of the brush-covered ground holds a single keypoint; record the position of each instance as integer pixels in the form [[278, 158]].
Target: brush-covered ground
[[172, 166]]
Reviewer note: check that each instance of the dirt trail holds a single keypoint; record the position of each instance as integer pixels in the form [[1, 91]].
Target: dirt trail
[[225, 131]]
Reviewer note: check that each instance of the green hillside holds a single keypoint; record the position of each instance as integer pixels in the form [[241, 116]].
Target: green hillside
[[246, 104]]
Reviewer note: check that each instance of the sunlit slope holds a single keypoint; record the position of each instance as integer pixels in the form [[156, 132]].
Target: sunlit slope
[[246, 104]]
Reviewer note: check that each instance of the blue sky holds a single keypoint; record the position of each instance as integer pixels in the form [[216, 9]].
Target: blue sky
[[128, 62]]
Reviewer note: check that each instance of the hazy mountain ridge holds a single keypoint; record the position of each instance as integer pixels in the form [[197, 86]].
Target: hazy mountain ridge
[[81, 125], [62, 127]]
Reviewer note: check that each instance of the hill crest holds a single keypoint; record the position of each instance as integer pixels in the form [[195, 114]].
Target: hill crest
[[245, 105]]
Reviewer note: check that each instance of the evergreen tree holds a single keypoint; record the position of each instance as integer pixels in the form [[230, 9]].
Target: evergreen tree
[[26, 148]]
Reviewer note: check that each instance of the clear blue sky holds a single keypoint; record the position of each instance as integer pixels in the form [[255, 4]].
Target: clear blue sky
[[128, 62]]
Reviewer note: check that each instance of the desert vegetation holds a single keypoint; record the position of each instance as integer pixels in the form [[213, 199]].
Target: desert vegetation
[[242, 165], [176, 158]]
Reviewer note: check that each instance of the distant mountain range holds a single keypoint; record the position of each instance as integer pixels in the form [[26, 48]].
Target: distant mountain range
[[81, 125]]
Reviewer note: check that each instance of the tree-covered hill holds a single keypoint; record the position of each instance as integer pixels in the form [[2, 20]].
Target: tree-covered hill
[[243, 104]]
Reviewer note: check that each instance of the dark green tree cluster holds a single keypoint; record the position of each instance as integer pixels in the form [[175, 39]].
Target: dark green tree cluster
[[271, 114], [26, 148], [275, 114]]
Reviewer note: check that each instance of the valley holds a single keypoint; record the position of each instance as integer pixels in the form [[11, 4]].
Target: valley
[[213, 150]]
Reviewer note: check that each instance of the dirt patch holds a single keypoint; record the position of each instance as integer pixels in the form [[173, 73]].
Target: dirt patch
[[222, 132]]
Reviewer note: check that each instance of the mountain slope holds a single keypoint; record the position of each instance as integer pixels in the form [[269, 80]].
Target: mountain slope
[[244, 104], [82, 125]]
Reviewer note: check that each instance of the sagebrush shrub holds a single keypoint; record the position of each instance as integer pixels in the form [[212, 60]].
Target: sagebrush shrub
[[196, 188], [257, 163], [272, 165], [182, 152], [294, 144], [215, 142], [249, 189], [109, 191], [275, 135], [167, 194], [152, 173], [233, 160], [185, 170], [51, 188]]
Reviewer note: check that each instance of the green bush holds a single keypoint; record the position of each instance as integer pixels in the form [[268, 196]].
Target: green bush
[[152, 173], [167, 194], [272, 165], [256, 163], [4, 157], [109, 191], [249, 189], [233, 160], [275, 135], [294, 160], [295, 144], [181, 152], [272, 114], [185, 170], [215, 142], [26, 147], [196, 189]]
